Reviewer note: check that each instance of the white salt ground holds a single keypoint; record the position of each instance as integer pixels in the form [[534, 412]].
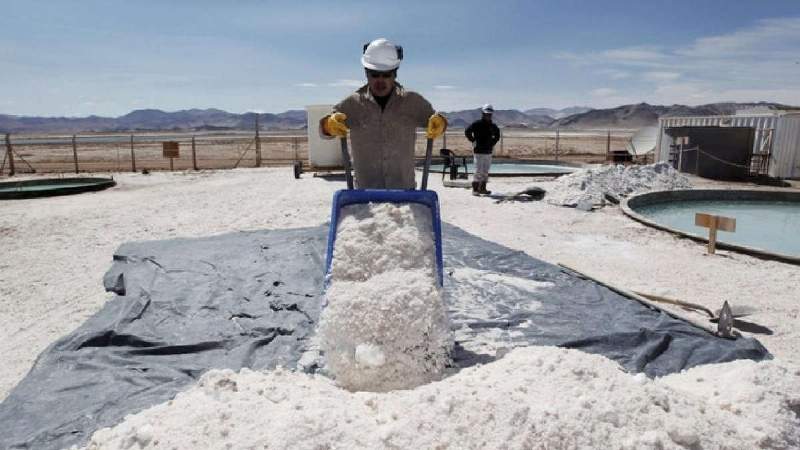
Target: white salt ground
[[56, 250], [537, 397], [385, 325], [588, 187]]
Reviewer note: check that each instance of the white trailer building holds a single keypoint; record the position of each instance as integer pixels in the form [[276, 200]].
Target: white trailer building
[[768, 143]]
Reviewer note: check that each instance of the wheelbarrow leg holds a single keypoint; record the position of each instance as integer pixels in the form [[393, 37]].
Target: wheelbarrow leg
[[348, 175], [427, 166]]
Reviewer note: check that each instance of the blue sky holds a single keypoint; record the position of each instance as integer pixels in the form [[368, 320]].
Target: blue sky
[[77, 58]]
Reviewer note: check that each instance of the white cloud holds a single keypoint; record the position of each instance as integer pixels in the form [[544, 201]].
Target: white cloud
[[768, 94], [637, 56], [633, 54], [614, 74], [347, 83], [570, 56], [769, 37], [306, 85], [703, 91], [690, 90], [759, 62], [603, 92], [443, 87], [661, 76]]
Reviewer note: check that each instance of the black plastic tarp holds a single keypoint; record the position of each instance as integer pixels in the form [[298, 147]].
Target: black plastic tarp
[[251, 299]]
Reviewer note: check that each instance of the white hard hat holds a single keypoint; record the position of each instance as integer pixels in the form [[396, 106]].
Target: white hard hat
[[381, 55], [487, 108]]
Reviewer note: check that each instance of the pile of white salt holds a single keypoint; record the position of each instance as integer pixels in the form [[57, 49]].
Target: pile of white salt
[[589, 187], [385, 325], [534, 397]]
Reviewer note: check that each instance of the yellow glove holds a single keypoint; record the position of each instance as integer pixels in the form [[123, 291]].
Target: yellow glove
[[436, 126], [333, 125]]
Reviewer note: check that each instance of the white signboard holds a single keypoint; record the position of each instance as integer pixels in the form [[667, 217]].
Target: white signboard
[[321, 152]]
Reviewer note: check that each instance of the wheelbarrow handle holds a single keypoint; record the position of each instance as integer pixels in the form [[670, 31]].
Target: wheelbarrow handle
[[427, 165], [348, 174]]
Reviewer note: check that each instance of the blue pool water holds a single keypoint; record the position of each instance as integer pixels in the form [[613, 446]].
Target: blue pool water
[[768, 225], [515, 168]]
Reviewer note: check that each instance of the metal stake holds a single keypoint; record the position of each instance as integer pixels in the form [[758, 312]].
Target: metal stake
[[426, 167], [346, 161]]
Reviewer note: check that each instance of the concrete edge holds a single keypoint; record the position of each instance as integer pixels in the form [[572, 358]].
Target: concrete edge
[[650, 198], [502, 161]]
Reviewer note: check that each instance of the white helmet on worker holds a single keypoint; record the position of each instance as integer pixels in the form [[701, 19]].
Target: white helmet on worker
[[487, 108], [381, 55]]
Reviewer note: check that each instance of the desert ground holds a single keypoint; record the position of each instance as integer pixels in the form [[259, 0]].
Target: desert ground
[[56, 250]]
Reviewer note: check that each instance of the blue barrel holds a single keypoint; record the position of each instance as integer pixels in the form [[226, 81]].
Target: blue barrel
[[346, 197]]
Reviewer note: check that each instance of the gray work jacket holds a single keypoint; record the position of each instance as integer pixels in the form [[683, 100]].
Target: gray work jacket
[[382, 142]]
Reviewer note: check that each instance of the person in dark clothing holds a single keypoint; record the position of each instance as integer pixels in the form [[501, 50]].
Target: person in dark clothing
[[484, 135]]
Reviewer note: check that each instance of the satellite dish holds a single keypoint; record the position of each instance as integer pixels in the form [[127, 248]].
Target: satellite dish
[[643, 141]]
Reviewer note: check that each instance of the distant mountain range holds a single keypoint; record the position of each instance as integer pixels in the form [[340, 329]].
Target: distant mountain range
[[155, 120], [557, 113], [626, 116], [504, 117]]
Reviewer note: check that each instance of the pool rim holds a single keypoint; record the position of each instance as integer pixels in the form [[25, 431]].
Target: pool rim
[[651, 198], [88, 184], [499, 161]]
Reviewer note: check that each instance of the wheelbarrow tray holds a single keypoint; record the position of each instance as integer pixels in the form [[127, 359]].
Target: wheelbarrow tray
[[347, 197]]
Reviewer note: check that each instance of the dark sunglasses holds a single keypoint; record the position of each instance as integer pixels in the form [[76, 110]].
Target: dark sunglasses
[[378, 74]]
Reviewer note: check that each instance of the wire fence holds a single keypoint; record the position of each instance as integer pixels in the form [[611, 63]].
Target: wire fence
[[137, 152], [576, 145], [117, 153]]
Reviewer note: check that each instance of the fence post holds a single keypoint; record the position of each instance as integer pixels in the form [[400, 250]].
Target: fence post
[[133, 157], [10, 154], [258, 145], [75, 153], [194, 155], [558, 136], [696, 161], [608, 146], [502, 150], [444, 140]]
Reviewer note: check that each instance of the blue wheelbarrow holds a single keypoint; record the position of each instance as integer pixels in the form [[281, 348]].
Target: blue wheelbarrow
[[352, 196]]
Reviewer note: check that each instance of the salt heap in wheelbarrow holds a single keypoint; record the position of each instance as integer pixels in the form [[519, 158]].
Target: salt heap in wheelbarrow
[[385, 325]]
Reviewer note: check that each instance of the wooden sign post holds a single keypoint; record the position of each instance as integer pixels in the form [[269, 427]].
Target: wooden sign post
[[714, 223], [133, 157], [171, 150]]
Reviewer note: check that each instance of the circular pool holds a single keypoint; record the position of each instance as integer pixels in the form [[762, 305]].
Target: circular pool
[[767, 222], [52, 186], [512, 168]]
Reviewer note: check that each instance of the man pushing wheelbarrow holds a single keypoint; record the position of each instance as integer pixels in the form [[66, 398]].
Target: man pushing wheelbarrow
[[382, 117], [361, 354]]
